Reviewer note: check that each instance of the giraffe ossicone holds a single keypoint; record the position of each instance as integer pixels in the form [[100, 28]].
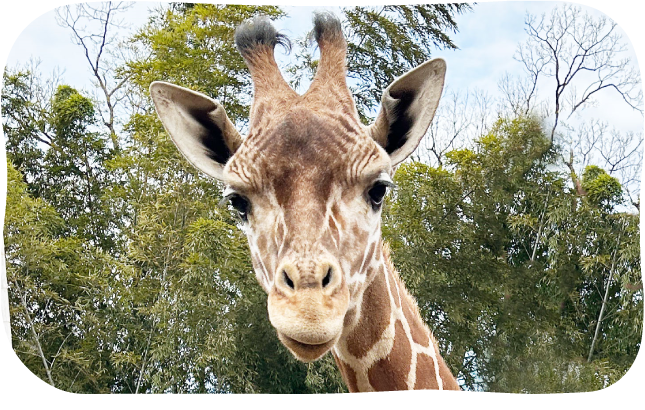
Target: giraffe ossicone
[[308, 182]]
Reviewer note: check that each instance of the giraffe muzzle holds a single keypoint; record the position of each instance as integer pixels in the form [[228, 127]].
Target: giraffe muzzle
[[307, 308]]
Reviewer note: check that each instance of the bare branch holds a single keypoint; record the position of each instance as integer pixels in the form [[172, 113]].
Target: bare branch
[[569, 47], [460, 118], [519, 93], [95, 41]]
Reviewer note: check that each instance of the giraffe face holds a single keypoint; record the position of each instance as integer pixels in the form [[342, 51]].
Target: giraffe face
[[309, 194], [309, 178]]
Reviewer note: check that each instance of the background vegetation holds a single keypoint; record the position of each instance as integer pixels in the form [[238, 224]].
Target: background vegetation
[[516, 228]]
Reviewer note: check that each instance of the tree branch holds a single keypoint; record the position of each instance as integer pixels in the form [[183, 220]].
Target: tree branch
[[30, 323]]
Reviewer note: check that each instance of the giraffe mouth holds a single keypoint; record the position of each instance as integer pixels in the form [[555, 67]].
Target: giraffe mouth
[[307, 352]]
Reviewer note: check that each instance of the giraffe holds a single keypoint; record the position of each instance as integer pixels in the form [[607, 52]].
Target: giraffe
[[308, 183]]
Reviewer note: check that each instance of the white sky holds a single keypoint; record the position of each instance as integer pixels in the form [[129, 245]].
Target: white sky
[[487, 39]]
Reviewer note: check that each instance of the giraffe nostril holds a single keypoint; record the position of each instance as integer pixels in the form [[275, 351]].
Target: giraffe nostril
[[288, 280], [327, 278]]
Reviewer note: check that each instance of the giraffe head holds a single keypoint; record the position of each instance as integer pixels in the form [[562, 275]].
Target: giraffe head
[[309, 179]]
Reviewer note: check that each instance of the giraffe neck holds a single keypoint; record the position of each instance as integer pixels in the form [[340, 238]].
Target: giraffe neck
[[385, 344]]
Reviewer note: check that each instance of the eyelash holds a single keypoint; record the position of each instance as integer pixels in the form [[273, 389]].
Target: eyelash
[[241, 205], [377, 193]]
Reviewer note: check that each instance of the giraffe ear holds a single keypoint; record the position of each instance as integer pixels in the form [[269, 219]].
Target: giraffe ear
[[407, 108], [198, 126]]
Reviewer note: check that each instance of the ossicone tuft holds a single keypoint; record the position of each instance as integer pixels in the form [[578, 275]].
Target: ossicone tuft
[[327, 27], [257, 32]]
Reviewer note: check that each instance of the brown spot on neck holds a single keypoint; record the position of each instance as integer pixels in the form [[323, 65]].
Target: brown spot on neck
[[391, 373], [374, 318]]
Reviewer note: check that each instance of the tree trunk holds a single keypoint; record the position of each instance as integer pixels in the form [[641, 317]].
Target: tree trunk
[[604, 302]]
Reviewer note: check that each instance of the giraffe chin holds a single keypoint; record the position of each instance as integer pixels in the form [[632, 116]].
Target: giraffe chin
[[306, 352]]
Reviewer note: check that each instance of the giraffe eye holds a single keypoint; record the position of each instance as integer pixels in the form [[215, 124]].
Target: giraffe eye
[[376, 194], [241, 205]]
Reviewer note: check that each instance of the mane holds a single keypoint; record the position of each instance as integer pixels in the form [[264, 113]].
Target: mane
[[402, 288]]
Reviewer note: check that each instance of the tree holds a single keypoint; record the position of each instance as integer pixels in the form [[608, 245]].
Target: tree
[[52, 140], [513, 270], [618, 152], [579, 57], [26, 103], [61, 315], [574, 48], [75, 177]]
